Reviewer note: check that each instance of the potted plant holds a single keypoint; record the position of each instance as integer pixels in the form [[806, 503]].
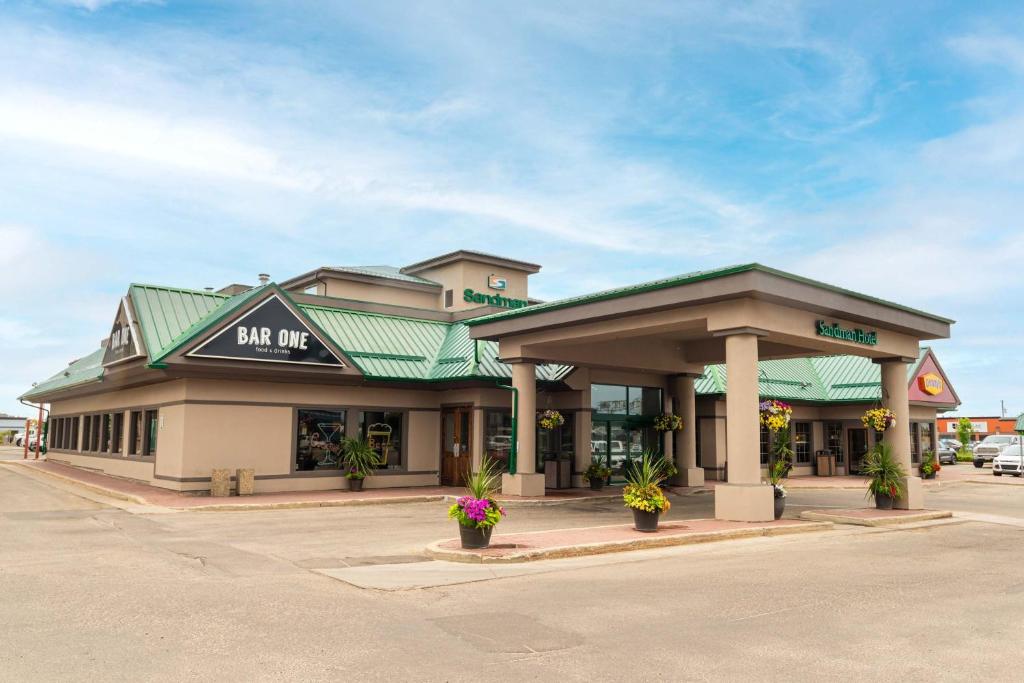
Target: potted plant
[[885, 476], [597, 473], [776, 473], [929, 465], [477, 512], [360, 460], [774, 414], [550, 419], [643, 492], [878, 419], [667, 422]]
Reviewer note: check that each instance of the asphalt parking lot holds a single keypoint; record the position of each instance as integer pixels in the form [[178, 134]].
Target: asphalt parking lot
[[92, 591]]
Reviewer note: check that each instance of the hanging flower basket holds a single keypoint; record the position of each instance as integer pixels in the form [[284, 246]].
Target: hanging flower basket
[[775, 414], [879, 419], [667, 422], [550, 419]]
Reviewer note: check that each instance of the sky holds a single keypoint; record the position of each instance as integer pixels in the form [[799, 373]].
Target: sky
[[877, 146]]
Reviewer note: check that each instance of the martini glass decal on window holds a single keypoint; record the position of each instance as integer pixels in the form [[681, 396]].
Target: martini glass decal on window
[[328, 439]]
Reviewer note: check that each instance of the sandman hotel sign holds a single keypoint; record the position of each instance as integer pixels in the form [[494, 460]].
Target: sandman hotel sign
[[836, 331]]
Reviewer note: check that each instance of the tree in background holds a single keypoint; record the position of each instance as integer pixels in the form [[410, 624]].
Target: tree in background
[[964, 429]]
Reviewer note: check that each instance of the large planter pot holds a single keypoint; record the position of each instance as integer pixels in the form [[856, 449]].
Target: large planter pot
[[475, 538], [645, 521], [929, 476], [596, 484], [883, 502], [355, 484], [780, 507]]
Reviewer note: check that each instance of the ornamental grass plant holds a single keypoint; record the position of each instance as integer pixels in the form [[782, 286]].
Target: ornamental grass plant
[[885, 474], [359, 458], [643, 484], [478, 509]]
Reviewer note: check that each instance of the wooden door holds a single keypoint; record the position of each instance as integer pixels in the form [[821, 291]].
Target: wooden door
[[456, 437]]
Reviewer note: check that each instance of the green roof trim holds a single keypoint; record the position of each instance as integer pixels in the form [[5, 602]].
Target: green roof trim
[[686, 279], [1020, 424]]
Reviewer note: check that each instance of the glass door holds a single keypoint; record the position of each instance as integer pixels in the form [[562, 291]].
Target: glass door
[[858, 439]]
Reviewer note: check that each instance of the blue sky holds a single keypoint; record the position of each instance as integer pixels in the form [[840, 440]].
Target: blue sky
[[873, 146]]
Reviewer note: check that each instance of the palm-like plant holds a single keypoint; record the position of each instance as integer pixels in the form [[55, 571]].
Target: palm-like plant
[[885, 474], [485, 482], [359, 457]]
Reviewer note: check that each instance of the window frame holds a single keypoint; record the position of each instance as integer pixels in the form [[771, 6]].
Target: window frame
[[809, 444]]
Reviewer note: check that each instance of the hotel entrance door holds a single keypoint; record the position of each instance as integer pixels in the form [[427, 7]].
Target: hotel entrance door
[[858, 442], [456, 435]]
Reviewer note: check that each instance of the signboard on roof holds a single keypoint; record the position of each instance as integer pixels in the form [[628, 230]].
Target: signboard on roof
[[271, 333], [123, 342]]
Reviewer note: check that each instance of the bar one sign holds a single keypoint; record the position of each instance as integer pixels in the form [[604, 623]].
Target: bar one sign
[[271, 332]]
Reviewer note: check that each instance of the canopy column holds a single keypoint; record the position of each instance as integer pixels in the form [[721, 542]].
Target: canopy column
[[686, 457], [896, 397], [525, 481], [744, 498]]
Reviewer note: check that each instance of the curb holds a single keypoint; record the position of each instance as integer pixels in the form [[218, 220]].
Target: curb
[[924, 516], [298, 505], [435, 551], [110, 493]]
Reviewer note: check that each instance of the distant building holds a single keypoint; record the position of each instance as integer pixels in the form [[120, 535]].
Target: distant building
[[983, 426], [11, 422]]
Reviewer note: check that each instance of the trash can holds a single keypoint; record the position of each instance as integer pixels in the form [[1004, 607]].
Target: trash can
[[558, 473], [824, 464]]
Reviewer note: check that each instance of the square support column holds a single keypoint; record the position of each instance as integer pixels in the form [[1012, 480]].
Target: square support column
[[896, 397], [686, 439], [526, 481], [668, 438], [584, 427], [744, 498]]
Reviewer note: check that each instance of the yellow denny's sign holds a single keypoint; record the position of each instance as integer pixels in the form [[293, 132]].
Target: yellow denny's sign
[[931, 384]]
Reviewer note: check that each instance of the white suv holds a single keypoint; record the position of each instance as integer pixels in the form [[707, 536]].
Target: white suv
[[993, 446]]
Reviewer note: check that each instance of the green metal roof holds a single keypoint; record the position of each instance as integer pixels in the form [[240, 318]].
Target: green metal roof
[[86, 369], [166, 314], [1020, 424], [678, 280], [821, 379]]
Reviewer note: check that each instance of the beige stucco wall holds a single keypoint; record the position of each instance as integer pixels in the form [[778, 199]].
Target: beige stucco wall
[[380, 292], [462, 275]]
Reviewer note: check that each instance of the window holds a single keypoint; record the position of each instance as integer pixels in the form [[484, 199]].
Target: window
[[74, 434], [802, 442], [97, 427], [915, 443], [766, 443], [105, 442], [449, 298], [135, 432], [834, 440], [318, 438], [696, 435], [928, 436], [86, 432], [498, 437], [152, 424], [608, 399], [117, 433], [383, 429]]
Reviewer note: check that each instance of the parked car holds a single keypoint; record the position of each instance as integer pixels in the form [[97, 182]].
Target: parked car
[[993, 446], [951, 444], [19, 438], [945, 454], [1008, 462]]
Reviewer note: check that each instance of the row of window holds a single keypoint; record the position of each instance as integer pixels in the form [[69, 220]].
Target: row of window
[[104, 433], [802, 445], [319, 435]]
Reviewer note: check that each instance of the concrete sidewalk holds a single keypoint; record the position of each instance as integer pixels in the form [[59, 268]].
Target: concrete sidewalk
[[143, 494], [560, 543]]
